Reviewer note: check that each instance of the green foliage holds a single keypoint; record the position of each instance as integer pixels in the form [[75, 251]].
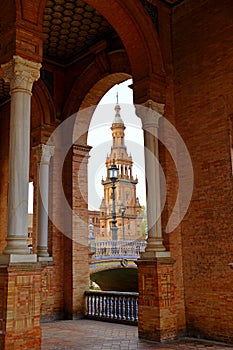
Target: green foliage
[[94, 286], [144, 221]]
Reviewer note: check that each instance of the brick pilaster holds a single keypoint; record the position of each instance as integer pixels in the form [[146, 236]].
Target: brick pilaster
[[80, 249], [20, 287], [156, 314]]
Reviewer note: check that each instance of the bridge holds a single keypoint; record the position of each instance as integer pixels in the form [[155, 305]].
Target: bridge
[[113, 265]]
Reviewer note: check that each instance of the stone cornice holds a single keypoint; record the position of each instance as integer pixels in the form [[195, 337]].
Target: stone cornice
[[81, 150]]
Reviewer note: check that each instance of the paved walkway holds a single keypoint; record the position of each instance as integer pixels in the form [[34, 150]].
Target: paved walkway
[[96, 335]]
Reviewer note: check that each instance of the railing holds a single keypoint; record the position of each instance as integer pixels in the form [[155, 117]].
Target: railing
[[117, 248], [119, 307]]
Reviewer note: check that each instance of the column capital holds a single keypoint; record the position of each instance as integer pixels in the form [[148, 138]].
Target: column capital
[[43, 153], [155, 106], [21, 73], [150, 112]]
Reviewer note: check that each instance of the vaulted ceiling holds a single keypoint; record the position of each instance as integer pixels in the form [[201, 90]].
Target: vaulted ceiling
[[72, 27]]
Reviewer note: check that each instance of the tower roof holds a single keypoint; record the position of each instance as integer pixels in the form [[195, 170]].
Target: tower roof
[[117, 119]]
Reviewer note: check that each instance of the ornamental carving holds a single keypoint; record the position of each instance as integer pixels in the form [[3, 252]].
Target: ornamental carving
[[21, 73], [150, 112], [43, 153]]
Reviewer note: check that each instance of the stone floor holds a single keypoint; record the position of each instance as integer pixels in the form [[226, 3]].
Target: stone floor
[[96, 335]]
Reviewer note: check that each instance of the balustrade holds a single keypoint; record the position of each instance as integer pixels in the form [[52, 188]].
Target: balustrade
[[119, 307], [117, 248]]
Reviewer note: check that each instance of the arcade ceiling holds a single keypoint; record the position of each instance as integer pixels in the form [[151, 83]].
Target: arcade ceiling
[[72, 27]]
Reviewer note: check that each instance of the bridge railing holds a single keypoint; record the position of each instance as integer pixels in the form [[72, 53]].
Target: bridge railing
[[117, 248], [119, 307]]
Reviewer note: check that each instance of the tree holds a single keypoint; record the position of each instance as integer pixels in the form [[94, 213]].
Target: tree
[[144, 221]]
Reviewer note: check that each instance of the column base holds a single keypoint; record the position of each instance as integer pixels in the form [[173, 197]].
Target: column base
[[42, 251], [45, 258], [16, 245], [155, 244], [156, 311], [6, 259], [150, 255]]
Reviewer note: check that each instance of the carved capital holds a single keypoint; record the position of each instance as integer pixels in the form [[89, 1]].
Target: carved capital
[[43, 153], [21, 74], [155, 106], [150, 112]]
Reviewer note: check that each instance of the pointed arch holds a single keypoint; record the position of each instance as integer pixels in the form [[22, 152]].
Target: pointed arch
[[90, 86]]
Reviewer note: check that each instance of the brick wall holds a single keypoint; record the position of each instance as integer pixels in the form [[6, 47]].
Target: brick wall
[[203, 66], [20, 287], [80, 249]]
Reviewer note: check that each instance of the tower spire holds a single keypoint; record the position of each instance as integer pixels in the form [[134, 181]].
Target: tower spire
[[117, 96]]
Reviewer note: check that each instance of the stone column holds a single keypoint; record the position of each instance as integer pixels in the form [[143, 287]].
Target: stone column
[[156, 312], [21, 74], [43, 154], [150, 114]]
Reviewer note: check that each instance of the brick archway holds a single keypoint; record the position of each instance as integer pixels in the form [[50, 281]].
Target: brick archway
[[144, 55], [91, 99], [43, 109], [141, 43], [92, 84]]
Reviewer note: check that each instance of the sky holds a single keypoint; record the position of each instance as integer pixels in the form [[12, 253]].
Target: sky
[[100, 138]]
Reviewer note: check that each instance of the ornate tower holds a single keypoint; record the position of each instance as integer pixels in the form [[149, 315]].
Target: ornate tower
[[128, 208]]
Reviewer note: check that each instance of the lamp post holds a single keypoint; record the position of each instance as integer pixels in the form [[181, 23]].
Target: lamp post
[[113, 176], [123, 208]]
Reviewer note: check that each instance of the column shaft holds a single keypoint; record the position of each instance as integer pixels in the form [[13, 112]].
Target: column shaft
[[18, 172], [153, 183], [21, 74], [150, 115], [43, 153]]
